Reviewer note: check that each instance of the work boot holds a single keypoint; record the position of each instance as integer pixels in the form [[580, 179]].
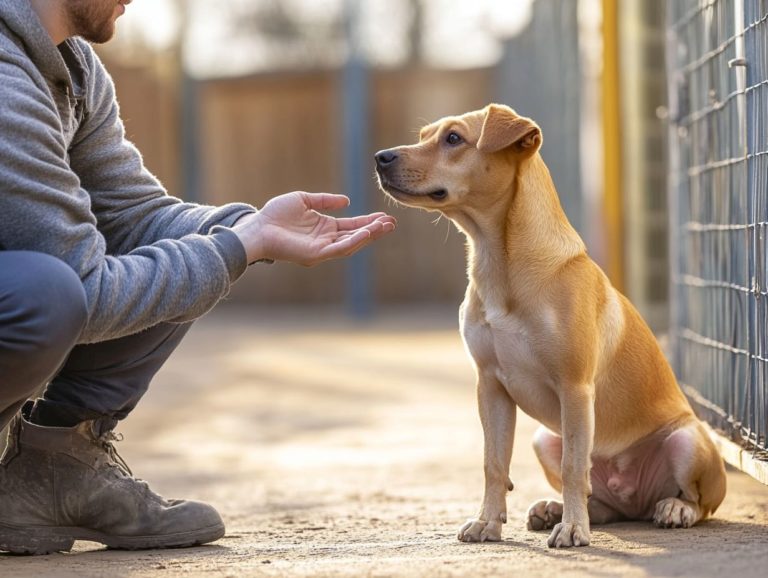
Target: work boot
[[59, 484]]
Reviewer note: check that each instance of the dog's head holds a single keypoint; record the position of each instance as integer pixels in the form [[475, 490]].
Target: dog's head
[[460, 161]]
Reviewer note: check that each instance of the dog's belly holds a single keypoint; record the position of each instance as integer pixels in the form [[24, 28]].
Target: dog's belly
[[633, 481]]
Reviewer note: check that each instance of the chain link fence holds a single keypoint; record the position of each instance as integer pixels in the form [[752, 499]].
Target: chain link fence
[[718, 77]]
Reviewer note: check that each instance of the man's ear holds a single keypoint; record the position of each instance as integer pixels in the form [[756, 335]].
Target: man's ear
[[503, 128]]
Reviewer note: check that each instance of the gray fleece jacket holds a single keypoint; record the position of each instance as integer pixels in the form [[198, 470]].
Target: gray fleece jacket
[[72, 186]]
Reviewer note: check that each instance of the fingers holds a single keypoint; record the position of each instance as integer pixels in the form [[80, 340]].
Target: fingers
[[330, 202], [347, 245], [353, 223], [353, 241], [325, 201], [387, 225], [376, 230]]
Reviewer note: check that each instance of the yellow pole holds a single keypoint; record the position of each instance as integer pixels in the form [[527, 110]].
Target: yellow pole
[[612, 202]]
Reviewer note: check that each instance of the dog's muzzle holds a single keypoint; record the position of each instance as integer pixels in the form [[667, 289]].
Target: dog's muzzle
[[386, 160]]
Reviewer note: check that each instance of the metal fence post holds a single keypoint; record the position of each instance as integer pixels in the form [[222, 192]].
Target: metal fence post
[[357, 165]]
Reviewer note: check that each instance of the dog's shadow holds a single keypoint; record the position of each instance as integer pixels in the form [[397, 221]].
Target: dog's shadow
[[709, 549]]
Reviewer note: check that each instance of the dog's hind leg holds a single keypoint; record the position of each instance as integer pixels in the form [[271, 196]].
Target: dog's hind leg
[[544, 514], [548, 447], [698, 470]]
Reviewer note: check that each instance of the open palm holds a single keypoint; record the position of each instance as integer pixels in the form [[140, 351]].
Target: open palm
[[291, 228]]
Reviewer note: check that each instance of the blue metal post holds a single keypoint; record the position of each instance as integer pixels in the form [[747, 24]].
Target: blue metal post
[[357, 165]]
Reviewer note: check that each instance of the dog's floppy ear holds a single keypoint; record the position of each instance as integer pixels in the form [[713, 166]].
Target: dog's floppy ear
[[503, 128]]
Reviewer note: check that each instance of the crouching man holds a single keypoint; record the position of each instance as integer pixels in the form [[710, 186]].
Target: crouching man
[[101, 275]]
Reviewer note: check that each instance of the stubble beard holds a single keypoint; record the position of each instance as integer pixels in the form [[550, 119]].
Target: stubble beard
[[92, 19]]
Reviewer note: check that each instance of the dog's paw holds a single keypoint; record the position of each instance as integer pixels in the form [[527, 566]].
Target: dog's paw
[[477, 530], [674, 513], [544, 514], [567, 535]]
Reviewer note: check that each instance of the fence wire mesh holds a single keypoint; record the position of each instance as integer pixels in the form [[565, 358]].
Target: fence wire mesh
[[718, 78]]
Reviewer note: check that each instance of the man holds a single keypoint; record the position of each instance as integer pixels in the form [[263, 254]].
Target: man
[[101, 275]]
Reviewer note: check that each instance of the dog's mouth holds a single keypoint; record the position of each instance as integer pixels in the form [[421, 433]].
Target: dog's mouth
[[403, 194]]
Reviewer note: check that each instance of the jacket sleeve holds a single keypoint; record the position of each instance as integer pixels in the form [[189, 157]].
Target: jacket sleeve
[[131, 206], [44, 207]]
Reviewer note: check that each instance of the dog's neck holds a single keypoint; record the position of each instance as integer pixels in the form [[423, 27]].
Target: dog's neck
[[527, 237]]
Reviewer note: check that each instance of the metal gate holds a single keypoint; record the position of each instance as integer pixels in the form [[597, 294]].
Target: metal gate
[[718, 78]]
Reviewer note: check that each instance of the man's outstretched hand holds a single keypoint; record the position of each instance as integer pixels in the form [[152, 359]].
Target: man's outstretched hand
[[291, 228]]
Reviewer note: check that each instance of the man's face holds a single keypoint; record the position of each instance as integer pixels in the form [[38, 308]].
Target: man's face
[[94, 20]]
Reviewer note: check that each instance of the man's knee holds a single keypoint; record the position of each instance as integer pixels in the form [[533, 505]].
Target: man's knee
[[43, 311]]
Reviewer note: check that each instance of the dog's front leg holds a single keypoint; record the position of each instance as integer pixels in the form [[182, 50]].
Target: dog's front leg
[[578, 427], [498, 415]]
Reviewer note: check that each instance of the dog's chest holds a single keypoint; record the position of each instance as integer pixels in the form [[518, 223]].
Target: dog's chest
[[504, 346]]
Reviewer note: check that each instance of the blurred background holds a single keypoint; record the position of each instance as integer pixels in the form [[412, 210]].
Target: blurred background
[[246, 99]]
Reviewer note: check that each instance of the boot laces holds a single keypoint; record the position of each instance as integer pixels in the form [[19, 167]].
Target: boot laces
[[106, 441]]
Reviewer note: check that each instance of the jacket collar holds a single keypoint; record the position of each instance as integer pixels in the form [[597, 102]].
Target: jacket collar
[[62, 65]]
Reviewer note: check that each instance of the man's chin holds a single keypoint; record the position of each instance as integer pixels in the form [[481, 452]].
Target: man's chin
[[99, 36], [95, 28]]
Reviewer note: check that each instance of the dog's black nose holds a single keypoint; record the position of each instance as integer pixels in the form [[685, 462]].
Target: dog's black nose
[[385, 158]]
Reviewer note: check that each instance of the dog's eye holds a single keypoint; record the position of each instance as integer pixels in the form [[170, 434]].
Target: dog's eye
[[453, 139]]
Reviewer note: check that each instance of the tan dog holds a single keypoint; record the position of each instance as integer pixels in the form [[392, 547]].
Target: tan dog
[[548, 333]]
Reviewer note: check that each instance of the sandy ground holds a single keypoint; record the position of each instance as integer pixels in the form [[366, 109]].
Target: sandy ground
[[335, 448]]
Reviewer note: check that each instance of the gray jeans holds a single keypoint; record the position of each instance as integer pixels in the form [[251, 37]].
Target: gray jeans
[[42, 313]]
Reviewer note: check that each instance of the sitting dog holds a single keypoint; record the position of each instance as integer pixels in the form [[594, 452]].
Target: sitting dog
[[548, 333]]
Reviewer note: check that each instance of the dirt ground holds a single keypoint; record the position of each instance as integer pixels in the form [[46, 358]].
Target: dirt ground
[[335, 448]]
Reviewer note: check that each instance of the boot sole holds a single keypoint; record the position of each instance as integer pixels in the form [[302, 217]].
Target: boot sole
[[38, 540]]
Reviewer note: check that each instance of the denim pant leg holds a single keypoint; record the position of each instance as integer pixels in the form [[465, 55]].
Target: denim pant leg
[[43, 310], [106, 380]]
